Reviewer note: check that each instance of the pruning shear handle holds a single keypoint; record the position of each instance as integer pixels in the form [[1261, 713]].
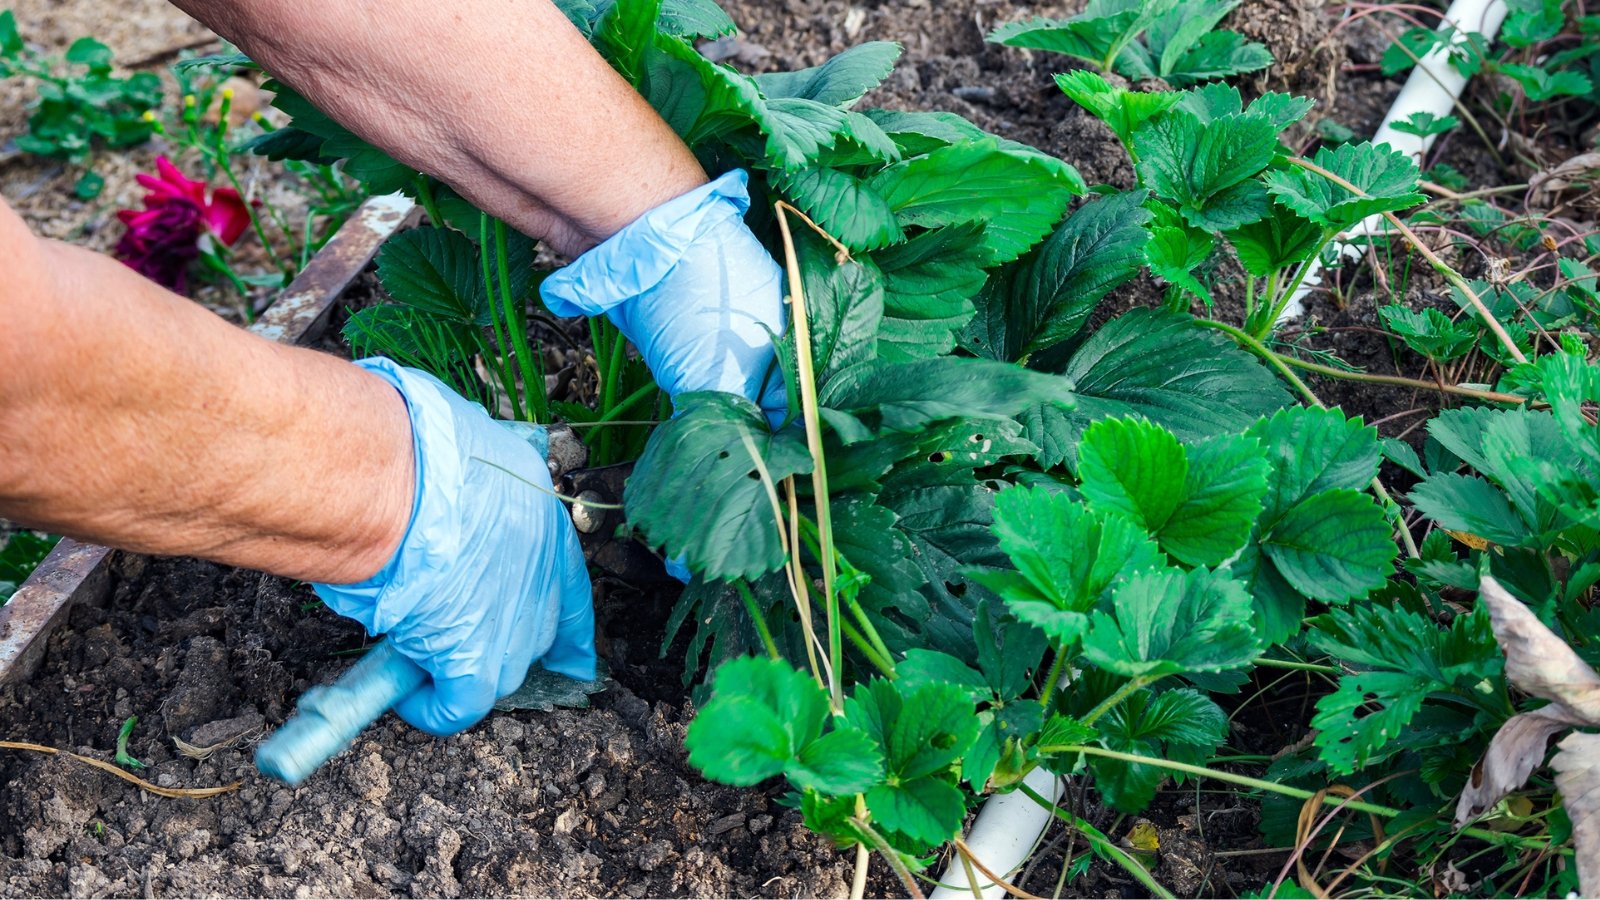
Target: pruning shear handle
[[330, 717]]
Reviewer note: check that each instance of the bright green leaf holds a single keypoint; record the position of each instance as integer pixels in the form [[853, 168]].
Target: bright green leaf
[[1168, 621], [840, 81], [1385, 178]]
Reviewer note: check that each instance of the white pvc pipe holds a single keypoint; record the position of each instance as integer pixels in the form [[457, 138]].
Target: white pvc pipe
[[1002, 836], [1433, 87]]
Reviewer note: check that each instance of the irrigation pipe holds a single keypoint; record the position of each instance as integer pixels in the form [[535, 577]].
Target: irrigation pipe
[[1433, 87], [1004, 833]]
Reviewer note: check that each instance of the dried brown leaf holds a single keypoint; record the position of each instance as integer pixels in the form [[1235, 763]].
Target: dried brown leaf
[[1577, 768], [1560, 176], [1517, 749], [1537, 661]]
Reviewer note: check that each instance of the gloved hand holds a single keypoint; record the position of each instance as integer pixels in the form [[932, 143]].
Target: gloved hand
[[489, 576], [693, 289]]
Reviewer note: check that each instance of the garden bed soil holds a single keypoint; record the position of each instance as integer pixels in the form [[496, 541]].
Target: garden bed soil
[[573, 802]]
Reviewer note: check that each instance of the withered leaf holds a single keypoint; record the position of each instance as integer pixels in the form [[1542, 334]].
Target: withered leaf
[[1578, 777]]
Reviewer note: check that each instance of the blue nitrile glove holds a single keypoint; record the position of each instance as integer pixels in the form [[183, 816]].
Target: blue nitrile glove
[[693, 289], [489, 576]]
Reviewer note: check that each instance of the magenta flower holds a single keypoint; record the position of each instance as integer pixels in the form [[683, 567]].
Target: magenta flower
[[179, 219]]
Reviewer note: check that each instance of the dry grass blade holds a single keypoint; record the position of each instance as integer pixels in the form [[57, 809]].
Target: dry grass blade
[[1013, 890], [175, 793]]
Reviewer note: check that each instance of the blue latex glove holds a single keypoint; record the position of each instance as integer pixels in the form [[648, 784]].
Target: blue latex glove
[[693, 289], [489, 576]]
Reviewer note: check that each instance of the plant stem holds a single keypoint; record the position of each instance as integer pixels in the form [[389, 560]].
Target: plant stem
[[760, 620], [858, 883], [538, 404], [1269, 663], [1449, 274], [1103, 846], [880, 663], [507, 379], [429, 204], [627, 403], [1273, 787], [889, 855], [1052, 679], [1121, 694], [1281, 302], [819, 474], [1398, 381]]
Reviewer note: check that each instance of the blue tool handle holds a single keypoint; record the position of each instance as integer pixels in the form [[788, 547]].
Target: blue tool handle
[[330, 717]]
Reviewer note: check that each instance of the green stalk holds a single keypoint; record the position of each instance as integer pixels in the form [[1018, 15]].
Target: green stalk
[[1268, 663], [1121, 694], [759, 620], [517, 324], [1103, 845], [881, 663], [1273, 787], [888, 853], [627, 403], [507, 380], [615, 351], [1249, 297], [425, 195], [1281, 302], [1051, 680]]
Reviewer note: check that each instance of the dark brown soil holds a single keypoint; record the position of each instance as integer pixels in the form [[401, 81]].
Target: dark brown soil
[[592, 802]]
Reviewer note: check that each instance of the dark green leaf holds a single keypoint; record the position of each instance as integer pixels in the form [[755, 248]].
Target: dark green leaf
[[840, 81], [437, 271], [1048, 295], [1162, 366], [929, 283], [1333, 546], [700, 490], [1180, 724], [843, 205], [1019, 196], [908, 396], [1282, 239]]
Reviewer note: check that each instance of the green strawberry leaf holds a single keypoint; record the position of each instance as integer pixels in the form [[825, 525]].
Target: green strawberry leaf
[[1430, 332], [1333, 546], [700, 490], [909, 396], [1018, 196], [1173, 254], [843, 205], [1047, 296], [1180, 724], [844, 761], [1122, 110], [1385, 178], [1159, 365], [845, 302], [929, 283], [1168, 621], [1205, 167], [928, 811], [840, 81], [1278, 241]]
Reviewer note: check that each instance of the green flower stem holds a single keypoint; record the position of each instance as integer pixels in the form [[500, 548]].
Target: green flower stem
[[618, 354], [889, 855], [429, 204], [507, 380], [1249, 298], [881, 663], [1450, 275], [1103, 845], [1269, 663], [1051, 680], [611, 415], [517, 324], [1121, 694], [1273, 787], [1281, 302], [759, 620]]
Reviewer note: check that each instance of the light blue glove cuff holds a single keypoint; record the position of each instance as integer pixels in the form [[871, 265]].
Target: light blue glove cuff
[[633, 261], [387, 598]]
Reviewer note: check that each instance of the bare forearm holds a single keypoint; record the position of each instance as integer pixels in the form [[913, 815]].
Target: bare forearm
[[133, 418], [502, 99]]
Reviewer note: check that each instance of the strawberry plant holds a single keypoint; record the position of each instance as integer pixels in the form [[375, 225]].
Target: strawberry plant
[[20, 554], [987, 538], [1174, 40], [81, 105]]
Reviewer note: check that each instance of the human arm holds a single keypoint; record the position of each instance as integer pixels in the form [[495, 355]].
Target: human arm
[[502, 99], [134, 418]]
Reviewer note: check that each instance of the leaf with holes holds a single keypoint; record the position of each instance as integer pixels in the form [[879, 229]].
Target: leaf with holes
[[700, 491]]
